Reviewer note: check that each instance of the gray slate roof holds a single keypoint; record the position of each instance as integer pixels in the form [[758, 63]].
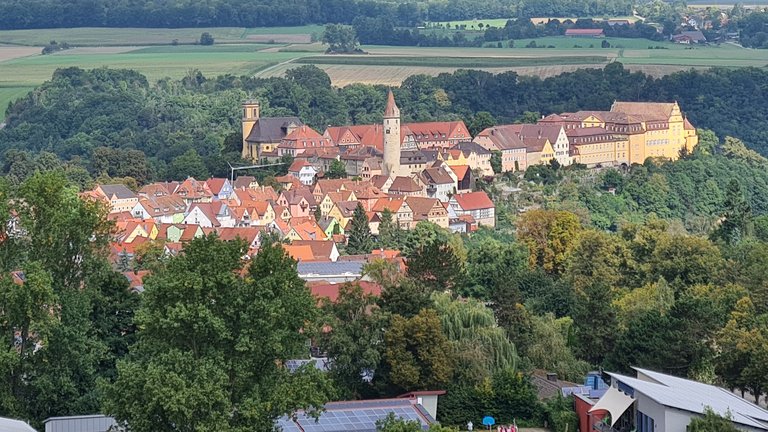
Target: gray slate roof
[[330, 268], [271, 129], [118, 190]]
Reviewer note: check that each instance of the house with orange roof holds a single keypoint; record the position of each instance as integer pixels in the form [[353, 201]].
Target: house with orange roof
[[322, 250], [309, 230], [400, 209], [475, 204], [465, 180], [428, 209], [302, 138], [330, 291], [194, 191], [287, 182], [303, 171], [220, 187], [129, 230], [301, 253], [159, 189], [250, 235]]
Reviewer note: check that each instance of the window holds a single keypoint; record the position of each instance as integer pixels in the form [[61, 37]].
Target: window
[[644, 423]]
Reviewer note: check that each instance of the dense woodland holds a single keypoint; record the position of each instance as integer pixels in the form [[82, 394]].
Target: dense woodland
[[23, 14]]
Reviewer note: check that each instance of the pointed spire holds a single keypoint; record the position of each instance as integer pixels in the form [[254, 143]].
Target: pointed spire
[[391, 110]]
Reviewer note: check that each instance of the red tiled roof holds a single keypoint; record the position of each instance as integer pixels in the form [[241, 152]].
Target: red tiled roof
[[330, 291], [473, 200]]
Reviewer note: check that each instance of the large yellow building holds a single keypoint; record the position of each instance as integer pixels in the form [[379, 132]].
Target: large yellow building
[[629, 133]]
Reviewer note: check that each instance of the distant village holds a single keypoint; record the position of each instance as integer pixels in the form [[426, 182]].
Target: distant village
[[415, 171]]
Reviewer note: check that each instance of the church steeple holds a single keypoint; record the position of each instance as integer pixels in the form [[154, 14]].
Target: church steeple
[[392, 138], [391, 111]]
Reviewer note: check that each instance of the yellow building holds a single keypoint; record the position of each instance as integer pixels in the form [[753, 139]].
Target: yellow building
[[627, 134]]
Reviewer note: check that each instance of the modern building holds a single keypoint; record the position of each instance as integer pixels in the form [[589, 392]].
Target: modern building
[[359, 416], [83, 423], [656, 402]]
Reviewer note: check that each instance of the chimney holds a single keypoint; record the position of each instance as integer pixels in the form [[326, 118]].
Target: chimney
[[551, 376]]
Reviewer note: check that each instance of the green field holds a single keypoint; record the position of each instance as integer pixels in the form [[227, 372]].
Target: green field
[[150, 52], [453, 62], [138, 36]]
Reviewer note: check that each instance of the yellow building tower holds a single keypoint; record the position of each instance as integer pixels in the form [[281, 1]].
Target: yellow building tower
[[392, 139], [251, 112]]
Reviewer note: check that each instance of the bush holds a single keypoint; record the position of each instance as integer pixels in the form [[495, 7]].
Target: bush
[[206, 39]]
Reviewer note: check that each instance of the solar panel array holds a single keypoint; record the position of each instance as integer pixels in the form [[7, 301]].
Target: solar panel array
[[350, 417]]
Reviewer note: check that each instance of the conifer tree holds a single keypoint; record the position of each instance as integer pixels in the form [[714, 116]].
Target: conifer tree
[[387, 230], [360, 238]]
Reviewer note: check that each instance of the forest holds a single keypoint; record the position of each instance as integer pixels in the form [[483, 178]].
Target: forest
[[31, 14]]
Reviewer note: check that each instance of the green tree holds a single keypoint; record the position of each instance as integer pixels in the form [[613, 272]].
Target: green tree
[[223, 371], [340, 39], [437, 265], [481, 121], [337, 170], [206, 39], [550, 350], [736, 221], [189, 164], [550, 237], [389, 231], [595, 326], [360, 238], [496, 163], [712, 422], [480, 347], [417, 353], [354, 342]]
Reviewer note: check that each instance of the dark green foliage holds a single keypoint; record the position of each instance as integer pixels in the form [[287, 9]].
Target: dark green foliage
[[341, 39], [337, 170], [206, 39], [508, 396], [237, 331], [737, 220], [359, 232], [560, 414], [436, 265], [712, 422], [595, 322]]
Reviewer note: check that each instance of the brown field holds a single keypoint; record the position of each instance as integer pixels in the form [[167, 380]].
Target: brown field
[[8, 52], [342, 75], [280, 38]]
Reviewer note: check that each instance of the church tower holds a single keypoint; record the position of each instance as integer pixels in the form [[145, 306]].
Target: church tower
[[392, 140], [251, 112]]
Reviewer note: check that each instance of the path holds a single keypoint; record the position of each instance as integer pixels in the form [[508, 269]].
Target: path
[[276, 65]]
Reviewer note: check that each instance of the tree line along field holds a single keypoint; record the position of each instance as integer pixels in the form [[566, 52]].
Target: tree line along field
[[236, 52]]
